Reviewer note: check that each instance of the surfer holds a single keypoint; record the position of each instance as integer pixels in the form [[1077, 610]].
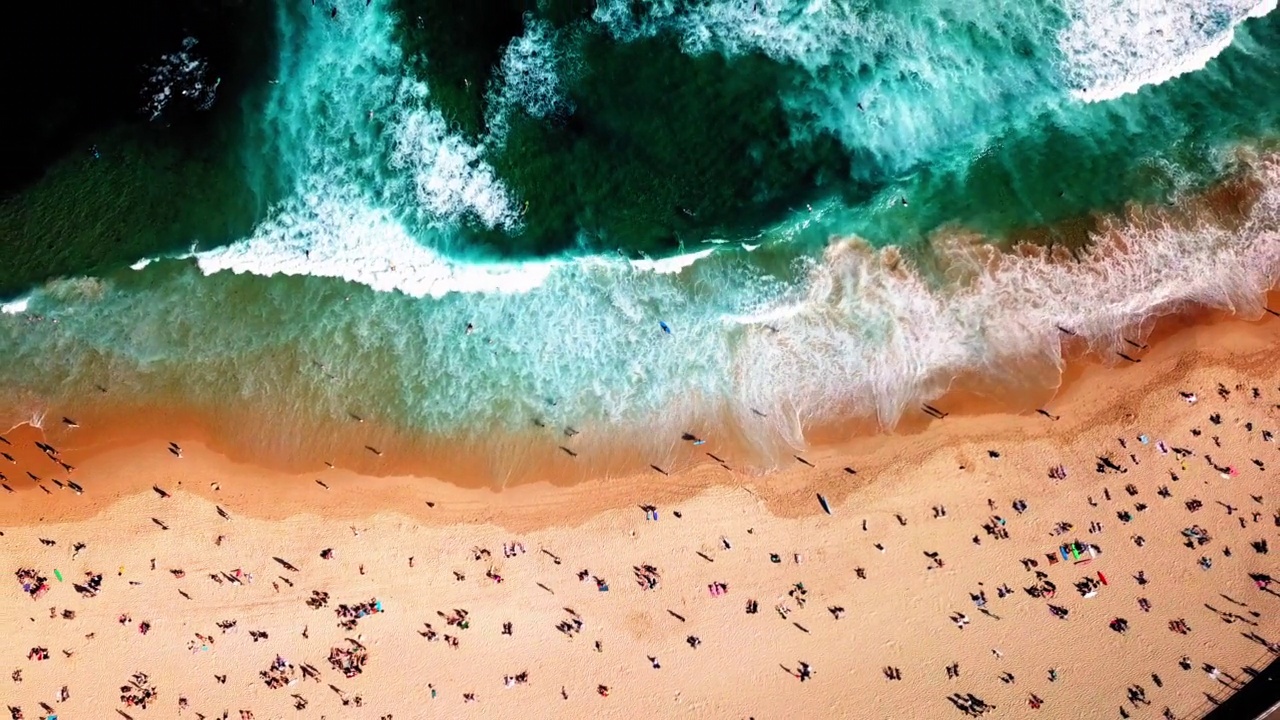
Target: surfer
[[665, 327]]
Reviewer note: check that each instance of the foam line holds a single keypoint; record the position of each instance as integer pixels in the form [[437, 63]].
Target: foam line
[[347, 240], [16, 307], [1116, 47]]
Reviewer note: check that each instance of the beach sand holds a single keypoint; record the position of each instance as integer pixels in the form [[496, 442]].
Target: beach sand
[[425, 549]]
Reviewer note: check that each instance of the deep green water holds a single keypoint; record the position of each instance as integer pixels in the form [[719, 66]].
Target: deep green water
[[392, 171]]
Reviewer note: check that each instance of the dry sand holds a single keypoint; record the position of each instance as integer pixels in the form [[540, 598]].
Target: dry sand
[[419, 559]]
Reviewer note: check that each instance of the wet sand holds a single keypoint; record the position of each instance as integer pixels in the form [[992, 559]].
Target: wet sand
[[900, 613]]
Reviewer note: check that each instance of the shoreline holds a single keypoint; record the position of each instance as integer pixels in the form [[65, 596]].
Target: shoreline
[[1176, 343]]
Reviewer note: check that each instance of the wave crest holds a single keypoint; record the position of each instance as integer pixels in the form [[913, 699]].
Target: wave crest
[[1116, 47]]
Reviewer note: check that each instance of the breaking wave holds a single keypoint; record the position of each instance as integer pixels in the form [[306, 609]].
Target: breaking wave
[[1116, 47]]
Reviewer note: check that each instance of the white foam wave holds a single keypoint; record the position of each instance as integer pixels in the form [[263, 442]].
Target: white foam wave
[[1116, 47], [449, 175], [768, 315], [16, 307], [870, 333], [810, 35], [343, 238], [673, 264], [530, 78], [347, 112]]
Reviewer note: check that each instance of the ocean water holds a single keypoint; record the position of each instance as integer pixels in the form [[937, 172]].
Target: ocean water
[[746, 217]]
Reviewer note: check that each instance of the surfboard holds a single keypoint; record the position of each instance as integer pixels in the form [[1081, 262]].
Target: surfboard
[[825, 506]]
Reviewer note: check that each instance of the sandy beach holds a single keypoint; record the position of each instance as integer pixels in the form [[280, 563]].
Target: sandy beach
[[1107, 557]]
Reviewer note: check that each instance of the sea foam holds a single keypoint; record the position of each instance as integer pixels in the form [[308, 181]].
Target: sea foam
[[1117, 47], [16, 307], [346, 112], [869, 333], [531, 78], [449, 176], [337, 237]]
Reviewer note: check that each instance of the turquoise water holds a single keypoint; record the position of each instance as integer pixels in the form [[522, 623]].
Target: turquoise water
[[565, 178]]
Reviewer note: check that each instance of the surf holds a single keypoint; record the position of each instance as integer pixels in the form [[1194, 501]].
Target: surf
[[1118, 48], [392, 277]]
